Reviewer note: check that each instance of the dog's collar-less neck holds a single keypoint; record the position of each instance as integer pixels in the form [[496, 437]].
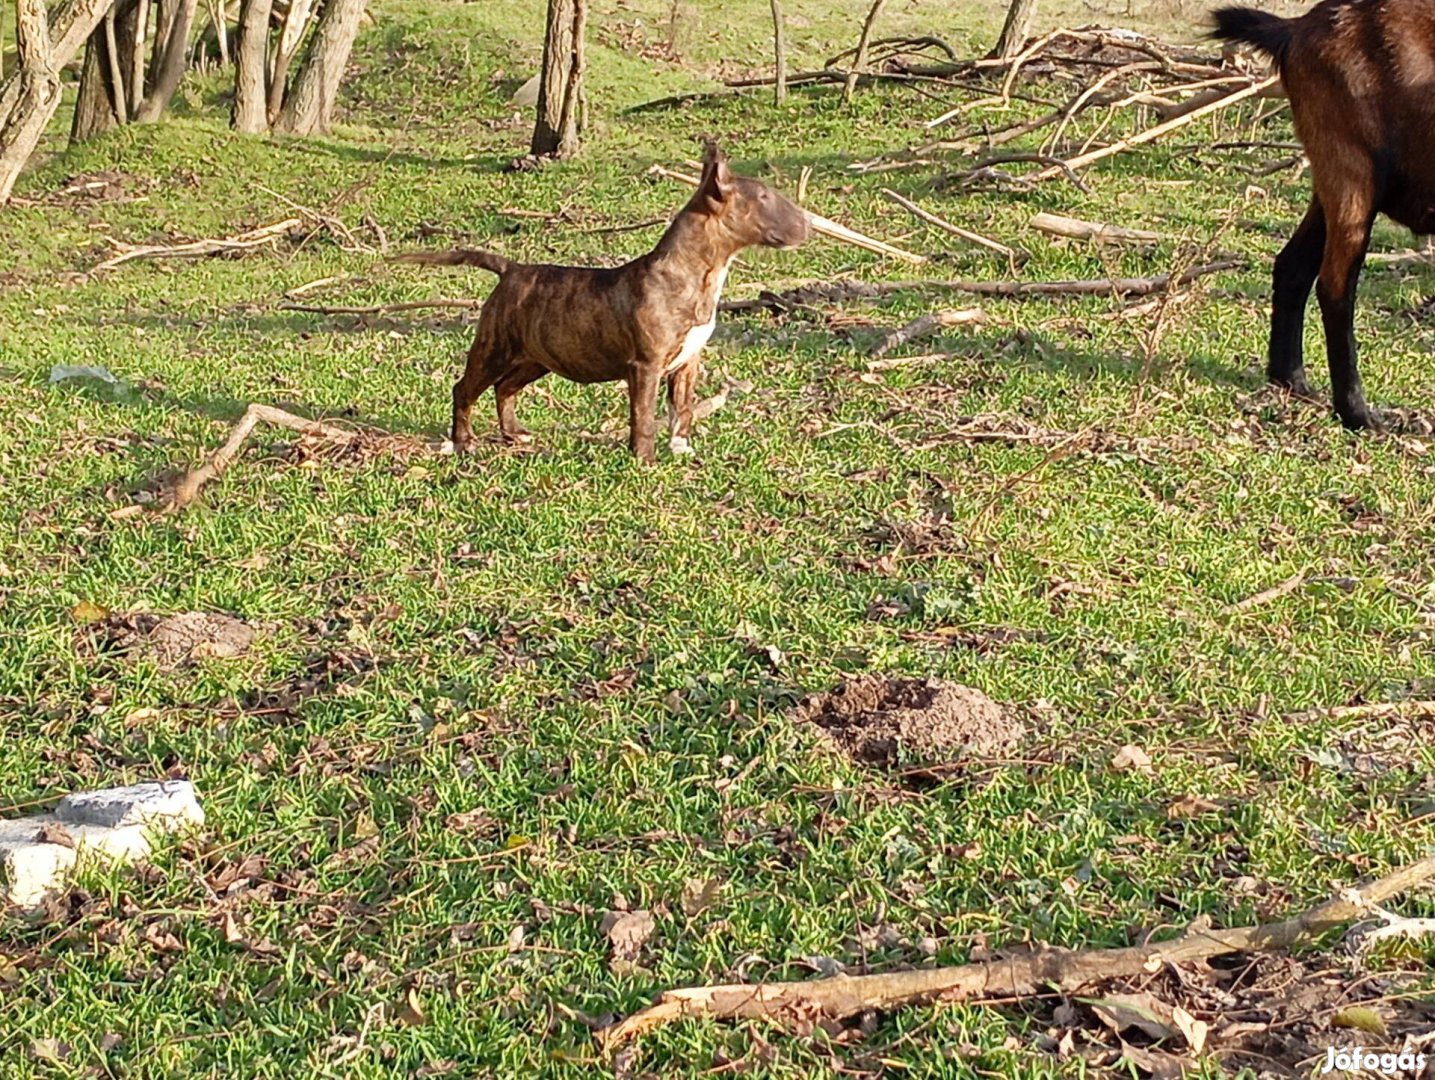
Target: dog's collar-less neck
[[690, 238]]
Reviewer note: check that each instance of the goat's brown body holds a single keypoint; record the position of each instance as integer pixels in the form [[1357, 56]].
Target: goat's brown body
[[642, 322], [1360, 76]]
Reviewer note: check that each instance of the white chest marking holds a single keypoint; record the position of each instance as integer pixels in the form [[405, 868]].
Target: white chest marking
[[697, 337]]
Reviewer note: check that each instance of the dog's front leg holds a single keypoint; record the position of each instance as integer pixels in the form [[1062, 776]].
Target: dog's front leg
[[643, 380], [681, 384]]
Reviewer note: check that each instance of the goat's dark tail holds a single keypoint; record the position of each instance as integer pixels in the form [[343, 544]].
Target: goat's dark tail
[[1269, 33], [458, 257]]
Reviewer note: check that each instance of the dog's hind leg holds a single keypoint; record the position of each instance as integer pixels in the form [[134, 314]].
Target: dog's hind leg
[[487, 364], [681, 384], [506, 391]]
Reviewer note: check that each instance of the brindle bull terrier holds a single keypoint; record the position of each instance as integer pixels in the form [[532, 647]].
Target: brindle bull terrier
[[641, 322]]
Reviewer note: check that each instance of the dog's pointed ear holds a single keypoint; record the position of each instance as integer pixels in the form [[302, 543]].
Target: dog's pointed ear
[[716, 182]]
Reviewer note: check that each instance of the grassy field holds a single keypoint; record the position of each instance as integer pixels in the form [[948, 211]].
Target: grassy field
[[494, 698]]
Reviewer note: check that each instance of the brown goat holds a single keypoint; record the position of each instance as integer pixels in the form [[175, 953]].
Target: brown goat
[[1360, 76]]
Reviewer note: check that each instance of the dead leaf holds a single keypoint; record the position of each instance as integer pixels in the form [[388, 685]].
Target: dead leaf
[[1131, 758], [1157, 1064], [1192, 1030], [9, 973], [699, 895], [361, 852], [515, 938], [52, 832], [627, 931], [1189, 806], [87, 614], [1360, 1017], [232, 932], [161, 940], [1141, 1011], [51, 1050], [478, 820], [409, 1012]]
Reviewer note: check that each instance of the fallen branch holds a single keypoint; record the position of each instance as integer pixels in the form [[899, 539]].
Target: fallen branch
[[1370, 711], [382, 309], [895, 362], [195, 249], [819, 224], [186, 490], [956, 230], [1076, 229], [834, 292], [1063, 970], [1265, 596], [927, 324], [1151, 134]]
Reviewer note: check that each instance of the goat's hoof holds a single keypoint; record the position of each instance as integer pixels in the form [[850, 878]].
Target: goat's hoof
[[1297, 386], [1365, 419], [679, 445]]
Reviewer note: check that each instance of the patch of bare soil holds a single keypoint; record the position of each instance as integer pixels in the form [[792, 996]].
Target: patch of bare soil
[[175, 640], [886, 721]]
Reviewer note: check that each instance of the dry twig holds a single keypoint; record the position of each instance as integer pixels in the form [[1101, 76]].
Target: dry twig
[[193, 249], [956, 230], [927, 324], [187, 488], [1064, 970]]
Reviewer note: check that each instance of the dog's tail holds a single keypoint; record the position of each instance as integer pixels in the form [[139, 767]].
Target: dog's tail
[[1269, 33], [458, 257]]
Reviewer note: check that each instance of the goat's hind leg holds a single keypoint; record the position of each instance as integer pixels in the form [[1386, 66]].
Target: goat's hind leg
[[1296, 269], [1347, 237]]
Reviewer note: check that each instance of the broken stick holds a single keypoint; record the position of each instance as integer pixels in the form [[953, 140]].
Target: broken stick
[[1151, 134], [1071, 228], [1015, 976], [186, 490], [382, 309], [956, 230], [927, 324], [833, 292], [194, 249], [825, 226]]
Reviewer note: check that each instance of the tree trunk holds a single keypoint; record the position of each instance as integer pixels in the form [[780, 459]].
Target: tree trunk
[[859, 61], [103, 99], [251, 67], [296, 21], [169, 70], [779, 48], [310, 106], [1015, 30], [70, 27], [136, 71], [560, 84], [38, 95]]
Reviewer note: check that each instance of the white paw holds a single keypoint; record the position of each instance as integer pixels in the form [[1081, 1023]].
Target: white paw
[[679, 445]]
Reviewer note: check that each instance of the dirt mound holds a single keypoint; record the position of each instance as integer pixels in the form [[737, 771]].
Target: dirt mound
[[878, 720], [170, 641]]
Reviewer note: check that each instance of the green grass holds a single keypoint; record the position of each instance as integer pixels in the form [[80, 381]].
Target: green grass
[[464, 610]]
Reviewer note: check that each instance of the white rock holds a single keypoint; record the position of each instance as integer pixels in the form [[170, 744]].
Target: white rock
[[115, 824], [134, 805]]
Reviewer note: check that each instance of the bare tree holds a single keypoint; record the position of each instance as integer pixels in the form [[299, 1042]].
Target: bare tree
[[860, 60], [1015, 30], [558, 130], [171, 52], [103, 98], [779, 49], [250, 68], [309, 107], [30, 96], [296, 21]]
